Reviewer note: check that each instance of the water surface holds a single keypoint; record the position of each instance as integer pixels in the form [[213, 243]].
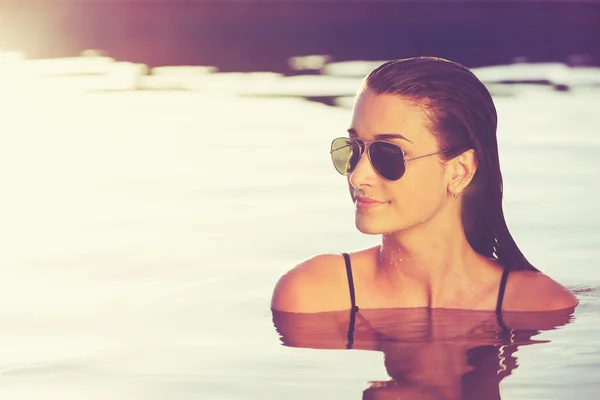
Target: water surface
[[143, 232]]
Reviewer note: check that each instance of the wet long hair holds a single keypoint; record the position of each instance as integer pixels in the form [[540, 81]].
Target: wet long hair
[[462, 116]]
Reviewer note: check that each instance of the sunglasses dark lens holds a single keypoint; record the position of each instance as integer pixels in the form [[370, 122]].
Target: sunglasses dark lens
[[345, 154], [387, 159]]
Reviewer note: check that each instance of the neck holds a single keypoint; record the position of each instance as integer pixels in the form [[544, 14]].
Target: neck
[[428, 256]]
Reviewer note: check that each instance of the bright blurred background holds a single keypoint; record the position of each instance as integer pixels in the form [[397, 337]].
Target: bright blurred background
[[164, 161]]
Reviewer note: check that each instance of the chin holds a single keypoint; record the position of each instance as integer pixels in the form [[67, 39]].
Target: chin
[[368, 230], [379, 226], [372, 226]]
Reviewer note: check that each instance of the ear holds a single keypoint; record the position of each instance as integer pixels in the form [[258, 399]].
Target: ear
[[462, 169]]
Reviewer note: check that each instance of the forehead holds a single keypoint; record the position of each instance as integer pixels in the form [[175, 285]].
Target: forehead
[[379, 114]]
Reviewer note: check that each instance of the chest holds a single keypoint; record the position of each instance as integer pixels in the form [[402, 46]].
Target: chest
[[371, 294]]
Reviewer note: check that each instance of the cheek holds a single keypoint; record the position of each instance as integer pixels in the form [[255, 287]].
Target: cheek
[[419, 192]]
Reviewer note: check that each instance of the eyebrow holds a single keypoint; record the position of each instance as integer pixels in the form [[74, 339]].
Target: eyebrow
[[382, 136]]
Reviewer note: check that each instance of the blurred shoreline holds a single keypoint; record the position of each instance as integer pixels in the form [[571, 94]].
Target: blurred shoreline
[[255, 35], [316, 78]]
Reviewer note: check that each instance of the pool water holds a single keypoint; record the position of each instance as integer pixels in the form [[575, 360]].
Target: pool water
[[143, 232]]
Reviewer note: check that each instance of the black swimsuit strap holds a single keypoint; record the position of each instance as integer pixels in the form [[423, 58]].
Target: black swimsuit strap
[[350, 280], [354, 307], [501, 298]]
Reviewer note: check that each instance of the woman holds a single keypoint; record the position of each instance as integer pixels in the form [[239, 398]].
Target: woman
[[423, 171]]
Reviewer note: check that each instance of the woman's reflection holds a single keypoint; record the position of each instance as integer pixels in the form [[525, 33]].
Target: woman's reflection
[[428, 353]]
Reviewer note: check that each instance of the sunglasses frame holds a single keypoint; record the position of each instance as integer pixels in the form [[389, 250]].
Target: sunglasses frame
[[364, 145]]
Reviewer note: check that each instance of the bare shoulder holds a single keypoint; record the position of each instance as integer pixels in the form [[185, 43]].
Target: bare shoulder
[[315, 285], [535, 291]]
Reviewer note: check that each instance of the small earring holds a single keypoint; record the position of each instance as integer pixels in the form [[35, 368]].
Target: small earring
[[455, 195]]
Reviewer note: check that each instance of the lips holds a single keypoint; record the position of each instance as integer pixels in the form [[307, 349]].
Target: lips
[[365, 203]]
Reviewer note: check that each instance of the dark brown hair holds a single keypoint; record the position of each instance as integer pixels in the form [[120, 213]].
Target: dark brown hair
[[462, 116]]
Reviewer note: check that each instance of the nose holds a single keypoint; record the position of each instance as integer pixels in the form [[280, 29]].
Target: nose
[[363, 174]]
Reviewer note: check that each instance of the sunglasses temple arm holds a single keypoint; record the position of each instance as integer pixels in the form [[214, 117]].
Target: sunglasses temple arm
[[426, 155]]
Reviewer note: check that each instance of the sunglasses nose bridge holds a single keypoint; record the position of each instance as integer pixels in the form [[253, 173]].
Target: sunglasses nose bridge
[[360, 173], [362, 147]]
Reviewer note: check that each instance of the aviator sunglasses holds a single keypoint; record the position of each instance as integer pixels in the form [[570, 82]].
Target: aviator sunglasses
[[387, 159]]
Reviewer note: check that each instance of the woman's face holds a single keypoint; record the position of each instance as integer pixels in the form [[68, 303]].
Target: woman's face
[[423, 189]]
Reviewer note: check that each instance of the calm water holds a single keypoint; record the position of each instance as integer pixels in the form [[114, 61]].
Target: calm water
[[143, 232]]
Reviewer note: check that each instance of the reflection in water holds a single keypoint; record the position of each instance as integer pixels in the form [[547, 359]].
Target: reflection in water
[[429, 353]]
